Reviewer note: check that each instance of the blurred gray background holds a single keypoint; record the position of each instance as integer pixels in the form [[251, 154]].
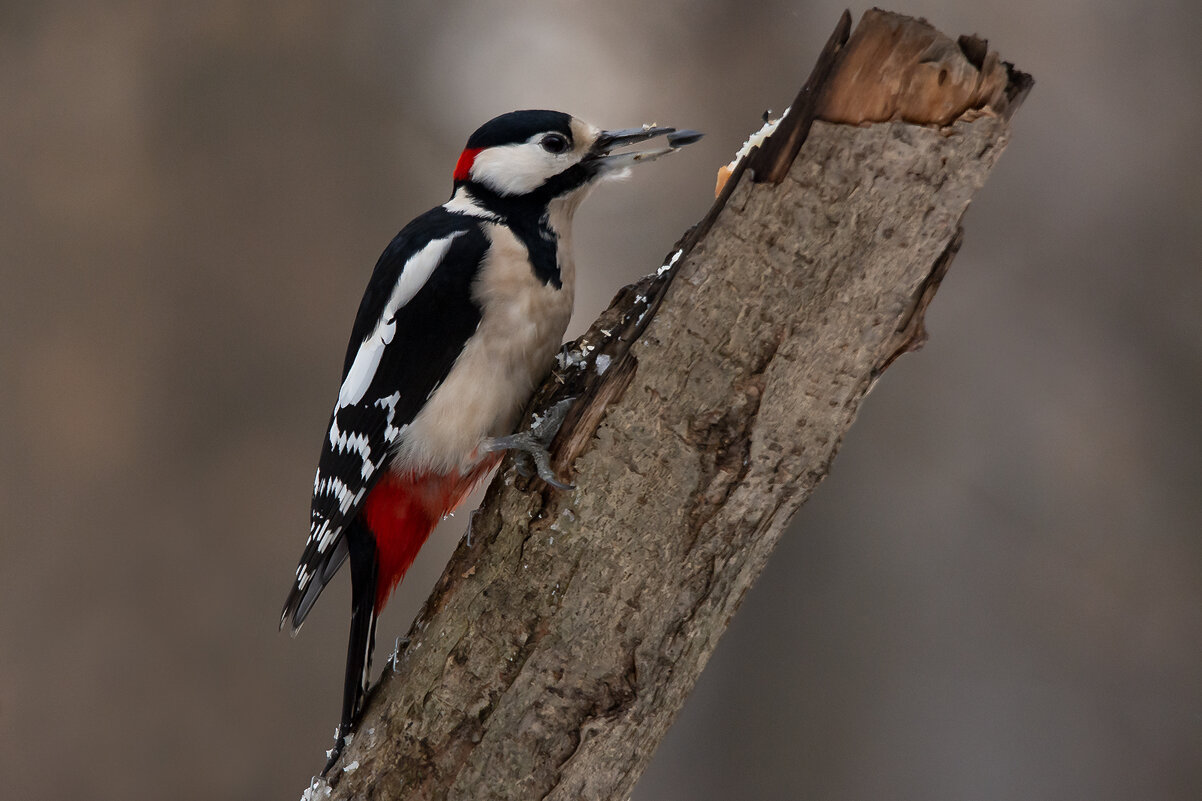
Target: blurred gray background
[[997, 594]]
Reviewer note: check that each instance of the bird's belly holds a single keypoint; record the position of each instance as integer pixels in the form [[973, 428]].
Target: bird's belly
[[520, 332]]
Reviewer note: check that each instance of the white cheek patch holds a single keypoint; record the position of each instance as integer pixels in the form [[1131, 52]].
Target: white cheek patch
[[518, 169], [413, 277]]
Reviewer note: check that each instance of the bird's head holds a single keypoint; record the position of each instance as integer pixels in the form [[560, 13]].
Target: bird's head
[[550, 154]]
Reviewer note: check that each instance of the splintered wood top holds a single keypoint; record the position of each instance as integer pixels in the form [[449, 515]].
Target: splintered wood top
[[896, 67]]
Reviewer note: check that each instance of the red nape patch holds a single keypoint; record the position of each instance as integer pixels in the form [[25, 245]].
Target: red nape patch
[[401, 511], [464, 166]]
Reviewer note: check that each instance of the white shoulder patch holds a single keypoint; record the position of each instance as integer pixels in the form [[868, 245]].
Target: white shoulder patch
[[413, 277]]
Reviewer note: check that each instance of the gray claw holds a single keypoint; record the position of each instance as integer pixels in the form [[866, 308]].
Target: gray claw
[[527, 443], [534, 442]]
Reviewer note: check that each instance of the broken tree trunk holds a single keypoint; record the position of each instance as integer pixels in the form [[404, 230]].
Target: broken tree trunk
[[557, 648]]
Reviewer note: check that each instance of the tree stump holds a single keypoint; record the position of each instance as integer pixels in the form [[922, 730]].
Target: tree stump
[[557, 648]]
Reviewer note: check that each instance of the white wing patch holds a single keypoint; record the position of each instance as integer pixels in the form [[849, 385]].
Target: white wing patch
[[413, 277]]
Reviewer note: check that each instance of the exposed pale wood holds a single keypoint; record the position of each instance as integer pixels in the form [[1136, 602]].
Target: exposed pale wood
[[557, 648], [900, 68]]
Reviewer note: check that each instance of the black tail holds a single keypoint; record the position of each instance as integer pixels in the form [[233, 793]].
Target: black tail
[[363, 633]]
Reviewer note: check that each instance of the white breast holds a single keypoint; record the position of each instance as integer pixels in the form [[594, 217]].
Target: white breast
[[512, 350]]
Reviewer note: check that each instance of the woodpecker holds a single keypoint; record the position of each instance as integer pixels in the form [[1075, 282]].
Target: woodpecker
[[461, 320]]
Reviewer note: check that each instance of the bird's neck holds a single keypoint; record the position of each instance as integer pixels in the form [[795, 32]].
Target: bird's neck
[[540, 220]]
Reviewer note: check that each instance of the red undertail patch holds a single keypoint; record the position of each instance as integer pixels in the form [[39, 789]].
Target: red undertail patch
[[463, 167], [401, 511]]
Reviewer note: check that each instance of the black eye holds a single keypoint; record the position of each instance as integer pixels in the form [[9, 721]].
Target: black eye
[[554, 143]]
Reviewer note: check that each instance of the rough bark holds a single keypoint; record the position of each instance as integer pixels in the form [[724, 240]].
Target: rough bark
[[558, 647]]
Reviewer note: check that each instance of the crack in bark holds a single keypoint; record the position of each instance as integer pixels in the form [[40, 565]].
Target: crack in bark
[[912, 334]]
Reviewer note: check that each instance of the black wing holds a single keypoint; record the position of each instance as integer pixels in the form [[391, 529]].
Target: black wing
[[413, 322]]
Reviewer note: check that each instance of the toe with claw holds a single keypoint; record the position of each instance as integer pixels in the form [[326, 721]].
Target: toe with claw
[[533, 443]]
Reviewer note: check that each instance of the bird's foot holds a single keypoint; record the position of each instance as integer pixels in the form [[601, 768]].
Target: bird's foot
[[533, 444]]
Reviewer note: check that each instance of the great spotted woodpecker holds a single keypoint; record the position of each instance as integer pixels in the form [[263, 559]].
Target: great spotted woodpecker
[[461, 320]]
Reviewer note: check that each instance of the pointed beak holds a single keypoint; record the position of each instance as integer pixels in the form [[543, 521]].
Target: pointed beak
[[606, 161]]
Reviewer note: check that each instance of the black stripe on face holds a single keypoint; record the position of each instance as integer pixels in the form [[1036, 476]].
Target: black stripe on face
[[518, 126]]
